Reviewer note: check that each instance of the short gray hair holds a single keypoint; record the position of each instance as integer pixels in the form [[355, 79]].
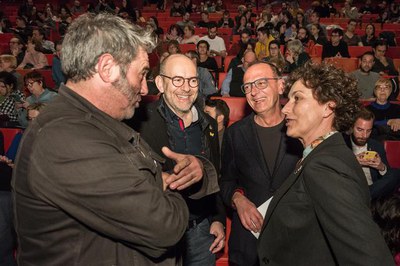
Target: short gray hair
[[90, 36]]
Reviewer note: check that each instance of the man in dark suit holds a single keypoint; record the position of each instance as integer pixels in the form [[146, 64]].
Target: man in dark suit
[[382, 179], [257, 156]]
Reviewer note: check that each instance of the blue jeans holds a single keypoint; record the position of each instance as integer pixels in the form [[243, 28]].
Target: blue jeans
[[7, 235], [197, 242]]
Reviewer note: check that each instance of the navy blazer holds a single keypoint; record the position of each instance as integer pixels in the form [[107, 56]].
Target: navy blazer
[[321, 215], [243, 166]]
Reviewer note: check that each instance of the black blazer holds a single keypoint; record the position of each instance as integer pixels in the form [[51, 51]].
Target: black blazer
[[243, 166], [321, 215]]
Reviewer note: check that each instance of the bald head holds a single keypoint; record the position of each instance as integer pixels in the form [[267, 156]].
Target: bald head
[[249, 58]]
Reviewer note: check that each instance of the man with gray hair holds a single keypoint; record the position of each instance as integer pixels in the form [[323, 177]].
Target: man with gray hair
[[87, 189]]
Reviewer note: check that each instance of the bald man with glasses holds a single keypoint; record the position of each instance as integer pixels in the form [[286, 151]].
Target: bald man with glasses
[[257, 157], [177, 122]]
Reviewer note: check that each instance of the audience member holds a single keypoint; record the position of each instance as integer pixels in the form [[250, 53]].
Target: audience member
[[387, 114], [350, 37], [226, 21], [38, 35], [314, 19], [336, 47], [205, 20], [219, 110], [232, 84], [206, 81], [34, 58], [185, 21], [203, 48], [369, 38], [9, 63], [56, 71], [174, 33], [257, 157], [80, 143], [367, 8], [295, 55], [309, 45], [77, 9], [245, 37], [173, 47], [157, 29], [381, 178], [34, 82], [189, 35], [275, 52], [349, 11], [177, 9], [176, 122], [10, 96], [317, 35], [16, 46], [383, 65], [366, 79], [264, 37], [239, 28], [217, 44], [21, 29]]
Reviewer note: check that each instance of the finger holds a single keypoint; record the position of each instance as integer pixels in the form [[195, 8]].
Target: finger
[[170, 154], [181, 164], [219, 247]]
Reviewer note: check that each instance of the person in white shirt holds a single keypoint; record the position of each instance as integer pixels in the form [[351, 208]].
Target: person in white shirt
[[217, 44]]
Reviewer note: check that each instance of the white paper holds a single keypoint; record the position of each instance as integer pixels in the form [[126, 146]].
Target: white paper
[[263, 210]]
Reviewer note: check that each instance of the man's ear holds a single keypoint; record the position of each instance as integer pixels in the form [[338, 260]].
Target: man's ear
[[108, 69], [159, 83]]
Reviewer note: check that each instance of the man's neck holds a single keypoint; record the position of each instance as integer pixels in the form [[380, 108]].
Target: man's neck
[[269, 120]]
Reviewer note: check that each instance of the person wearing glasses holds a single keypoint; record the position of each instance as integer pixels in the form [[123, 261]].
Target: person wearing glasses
[[257, 157], [34, 81], [336, 47], [175, 121]]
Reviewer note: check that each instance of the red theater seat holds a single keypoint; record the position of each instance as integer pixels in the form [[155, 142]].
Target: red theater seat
[[9, 134], [392, 148]]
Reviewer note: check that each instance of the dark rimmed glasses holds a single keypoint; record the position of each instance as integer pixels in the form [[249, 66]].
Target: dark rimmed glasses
[[260, 84], [178, 81]]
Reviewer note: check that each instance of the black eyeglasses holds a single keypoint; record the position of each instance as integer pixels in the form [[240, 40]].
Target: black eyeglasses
[[178, 81], [260, 84]]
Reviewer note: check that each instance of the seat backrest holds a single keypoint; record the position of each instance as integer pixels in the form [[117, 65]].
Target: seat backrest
[[9, 134], [221, 78], [347, 64], [238, 108], [392, 148]]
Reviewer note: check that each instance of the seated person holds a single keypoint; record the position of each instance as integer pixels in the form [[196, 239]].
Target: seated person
[[365, 77], [34, 81], [8, 63], [350, 37], [336, 47], [217, 44], [234, 79], [381, 178], [9, 96], [34, 58], [386, 213], [387, 115], [295, 55], [203, 48]]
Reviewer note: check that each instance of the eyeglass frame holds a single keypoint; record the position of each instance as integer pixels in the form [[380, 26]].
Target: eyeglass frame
[[254, 83], [188, 79]]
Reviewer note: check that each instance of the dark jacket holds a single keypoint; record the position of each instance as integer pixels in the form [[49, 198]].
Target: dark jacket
[[150, 122], [88, 191], [321, 215], [244, 167]]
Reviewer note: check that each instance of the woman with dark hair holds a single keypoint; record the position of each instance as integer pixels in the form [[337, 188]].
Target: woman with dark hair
[[317, 34], [275, 56], [301, 19], [174, 33], [10, 95], [320, 215], [369, 38], [237, 30]]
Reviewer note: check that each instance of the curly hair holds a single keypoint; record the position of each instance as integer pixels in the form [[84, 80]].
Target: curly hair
[[329, 83]]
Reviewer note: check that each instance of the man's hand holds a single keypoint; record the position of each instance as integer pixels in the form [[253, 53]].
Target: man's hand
[[217, 229], [187, 171], [9, 162], [375, 162], [249, 216]]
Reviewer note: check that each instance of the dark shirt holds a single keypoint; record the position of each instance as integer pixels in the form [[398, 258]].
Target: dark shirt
[[367, 42], [328, 50], [270, 148], [236, 82], [210, 64]]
